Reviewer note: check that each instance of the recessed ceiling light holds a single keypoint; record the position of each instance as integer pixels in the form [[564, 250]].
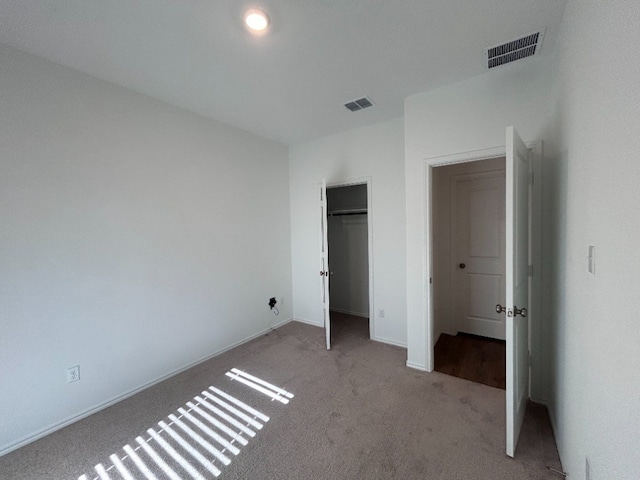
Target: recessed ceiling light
[[256, 20]]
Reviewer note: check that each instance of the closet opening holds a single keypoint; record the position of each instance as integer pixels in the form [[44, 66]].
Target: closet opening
[[348, 247]]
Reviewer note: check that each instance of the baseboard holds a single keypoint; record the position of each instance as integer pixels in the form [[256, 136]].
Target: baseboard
[[95, 409], [375, 339], [554, 429], [552, 418], [274, 326], [309, 322], [540, 401], [389, 342], [417, 366], [348, 312]]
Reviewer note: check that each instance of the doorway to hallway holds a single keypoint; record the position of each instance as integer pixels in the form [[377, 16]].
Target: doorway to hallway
[[469, 270], [520, 259], [474, 358]]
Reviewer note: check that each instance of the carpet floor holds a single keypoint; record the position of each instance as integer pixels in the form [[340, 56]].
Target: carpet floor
[[357, 412]]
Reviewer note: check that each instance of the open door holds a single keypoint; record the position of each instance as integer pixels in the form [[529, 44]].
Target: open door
[[324, 262], [517, 285]]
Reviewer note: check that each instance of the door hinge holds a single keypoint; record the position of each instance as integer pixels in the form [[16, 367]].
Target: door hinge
[[531, 178], [531, 270]]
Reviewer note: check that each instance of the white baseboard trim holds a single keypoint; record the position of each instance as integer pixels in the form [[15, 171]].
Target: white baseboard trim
[[101, 406], [310, 322], [539, 400], [417, 366], [554, 429], [389, 342], [348, 312], [552, 416], [274, 326]]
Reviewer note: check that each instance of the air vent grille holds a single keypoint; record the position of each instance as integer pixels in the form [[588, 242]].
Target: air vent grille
[[513, 50], [359, 104]]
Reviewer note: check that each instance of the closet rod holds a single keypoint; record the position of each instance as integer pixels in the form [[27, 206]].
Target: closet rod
[[338, 213]]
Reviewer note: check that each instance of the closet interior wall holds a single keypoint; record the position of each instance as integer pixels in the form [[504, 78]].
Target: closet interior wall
[[348, 249]]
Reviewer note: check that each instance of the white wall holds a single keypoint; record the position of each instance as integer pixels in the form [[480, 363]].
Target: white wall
[[464, 117], [592, 183], [442, 251], [376, 152], [136, 238]]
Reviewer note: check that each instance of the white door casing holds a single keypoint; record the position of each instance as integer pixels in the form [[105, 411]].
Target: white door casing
[[324, 263], [478, 252], [517, 284]]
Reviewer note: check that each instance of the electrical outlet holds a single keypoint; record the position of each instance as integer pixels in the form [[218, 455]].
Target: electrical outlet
[[281, 301], [73, 374], [381, 312]]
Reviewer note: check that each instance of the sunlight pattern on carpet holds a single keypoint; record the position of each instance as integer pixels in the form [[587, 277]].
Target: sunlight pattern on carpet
[[197, 440], [276, 393]]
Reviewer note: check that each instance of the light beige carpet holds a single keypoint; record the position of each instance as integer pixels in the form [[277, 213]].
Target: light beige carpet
[[358, 412]]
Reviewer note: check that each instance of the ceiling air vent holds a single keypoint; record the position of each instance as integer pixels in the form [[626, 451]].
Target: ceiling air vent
[[517, 49], [359, 104]]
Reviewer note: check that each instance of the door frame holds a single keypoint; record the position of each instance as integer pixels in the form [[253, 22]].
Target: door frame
[[364, 181], [535, 238]]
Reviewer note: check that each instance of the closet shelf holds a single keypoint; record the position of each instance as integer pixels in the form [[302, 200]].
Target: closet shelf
[[347, 211]]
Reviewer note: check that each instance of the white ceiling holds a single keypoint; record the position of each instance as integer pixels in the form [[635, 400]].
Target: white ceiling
[[289, 85]]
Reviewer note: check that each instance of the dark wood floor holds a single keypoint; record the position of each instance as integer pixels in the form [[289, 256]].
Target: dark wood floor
[[479, 359]]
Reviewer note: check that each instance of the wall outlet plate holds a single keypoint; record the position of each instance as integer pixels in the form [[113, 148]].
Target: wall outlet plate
[[73, 374]]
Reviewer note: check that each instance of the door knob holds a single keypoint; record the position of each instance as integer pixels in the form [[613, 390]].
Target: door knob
[[520, 311], [516, 311], [462, 265]]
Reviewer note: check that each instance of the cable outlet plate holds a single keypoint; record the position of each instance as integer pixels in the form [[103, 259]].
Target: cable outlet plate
[[73, 374]]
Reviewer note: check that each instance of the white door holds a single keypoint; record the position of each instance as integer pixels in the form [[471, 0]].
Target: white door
[[517, 283], [479, 253], [324, 262]]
